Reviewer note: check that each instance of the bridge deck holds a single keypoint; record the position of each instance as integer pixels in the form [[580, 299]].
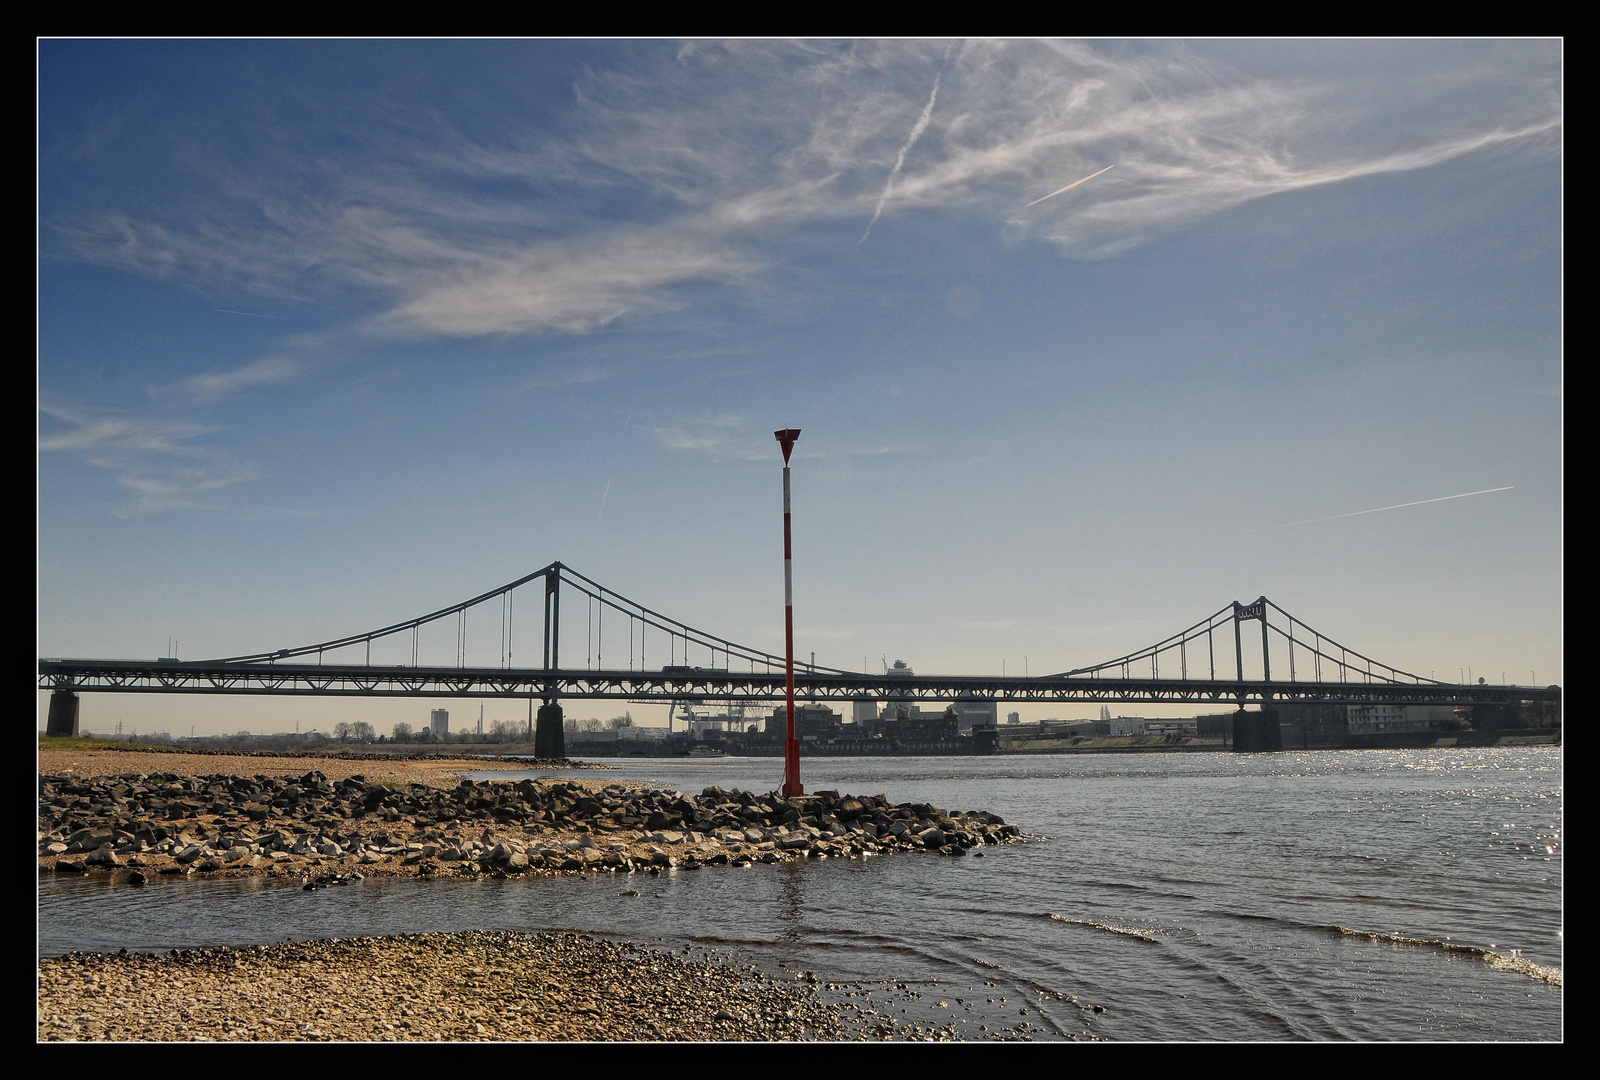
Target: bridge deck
[[689, 684]]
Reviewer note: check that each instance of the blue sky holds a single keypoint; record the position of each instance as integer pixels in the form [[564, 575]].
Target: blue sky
[[335, 333]]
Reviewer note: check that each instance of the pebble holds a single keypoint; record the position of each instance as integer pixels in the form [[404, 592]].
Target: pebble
[[476, 986]]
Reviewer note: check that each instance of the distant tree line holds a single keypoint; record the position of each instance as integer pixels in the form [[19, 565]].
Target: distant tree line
[[616, 723]]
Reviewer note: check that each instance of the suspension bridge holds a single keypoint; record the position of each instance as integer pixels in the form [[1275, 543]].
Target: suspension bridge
[[1203, 664]]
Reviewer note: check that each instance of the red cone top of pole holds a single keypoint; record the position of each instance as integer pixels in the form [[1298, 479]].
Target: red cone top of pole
[[786, 438]]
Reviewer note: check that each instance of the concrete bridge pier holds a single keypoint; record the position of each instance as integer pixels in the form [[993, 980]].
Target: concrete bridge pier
[[1256, 732], [62, 722], [550, 736]]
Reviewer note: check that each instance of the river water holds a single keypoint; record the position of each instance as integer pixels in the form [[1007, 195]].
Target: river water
[[1367, 894]]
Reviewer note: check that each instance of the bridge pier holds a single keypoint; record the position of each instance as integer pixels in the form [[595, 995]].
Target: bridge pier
[[1256, 732], [550, 737], [62, 723]]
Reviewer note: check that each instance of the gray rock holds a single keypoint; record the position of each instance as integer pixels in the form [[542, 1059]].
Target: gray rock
[[103, 856]]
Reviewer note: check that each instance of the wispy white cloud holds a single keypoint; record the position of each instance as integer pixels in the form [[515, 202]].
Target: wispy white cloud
[[721, 436], [153, 459], [739, 438], [575, 285], [846, 449], [690, 170], [583, 376], [214, 385]]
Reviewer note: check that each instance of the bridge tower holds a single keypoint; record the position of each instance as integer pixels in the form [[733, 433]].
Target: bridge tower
[[550, 737], [1258, 731]]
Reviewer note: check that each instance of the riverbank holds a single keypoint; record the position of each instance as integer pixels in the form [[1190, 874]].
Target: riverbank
[[442, 772], [477, 986], [279, 818], [323, 831]]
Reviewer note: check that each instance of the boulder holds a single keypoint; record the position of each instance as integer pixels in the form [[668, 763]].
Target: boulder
[[103, 856]]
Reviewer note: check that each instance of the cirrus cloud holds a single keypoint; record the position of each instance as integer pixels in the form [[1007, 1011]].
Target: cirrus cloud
[[694, 167]]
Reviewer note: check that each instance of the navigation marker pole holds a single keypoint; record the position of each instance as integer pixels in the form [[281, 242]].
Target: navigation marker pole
[[791, 748]]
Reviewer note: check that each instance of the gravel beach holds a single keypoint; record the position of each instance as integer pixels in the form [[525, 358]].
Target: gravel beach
[[478, 986]]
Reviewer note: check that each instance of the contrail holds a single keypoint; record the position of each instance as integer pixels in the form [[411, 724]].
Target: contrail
[[1396, 506], [253, 315], [1069, 187], [603, 495], [916, 133]]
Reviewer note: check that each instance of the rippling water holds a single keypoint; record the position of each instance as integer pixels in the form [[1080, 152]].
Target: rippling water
[[1373, 894]]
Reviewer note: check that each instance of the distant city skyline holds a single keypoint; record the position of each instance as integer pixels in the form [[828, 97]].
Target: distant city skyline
[[1086, 340]]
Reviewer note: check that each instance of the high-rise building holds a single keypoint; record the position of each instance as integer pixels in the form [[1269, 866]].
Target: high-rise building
[[439, 723]]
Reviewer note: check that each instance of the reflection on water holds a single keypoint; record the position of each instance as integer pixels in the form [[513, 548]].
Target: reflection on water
[[1333, 895]]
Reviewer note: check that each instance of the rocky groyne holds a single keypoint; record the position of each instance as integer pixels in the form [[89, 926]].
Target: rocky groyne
[[329, 831]]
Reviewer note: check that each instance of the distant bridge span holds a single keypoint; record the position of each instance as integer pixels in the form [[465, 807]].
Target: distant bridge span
[[1182, 669], [669, 685]]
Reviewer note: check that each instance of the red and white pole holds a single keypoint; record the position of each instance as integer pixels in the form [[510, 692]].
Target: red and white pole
[[791, 748]]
